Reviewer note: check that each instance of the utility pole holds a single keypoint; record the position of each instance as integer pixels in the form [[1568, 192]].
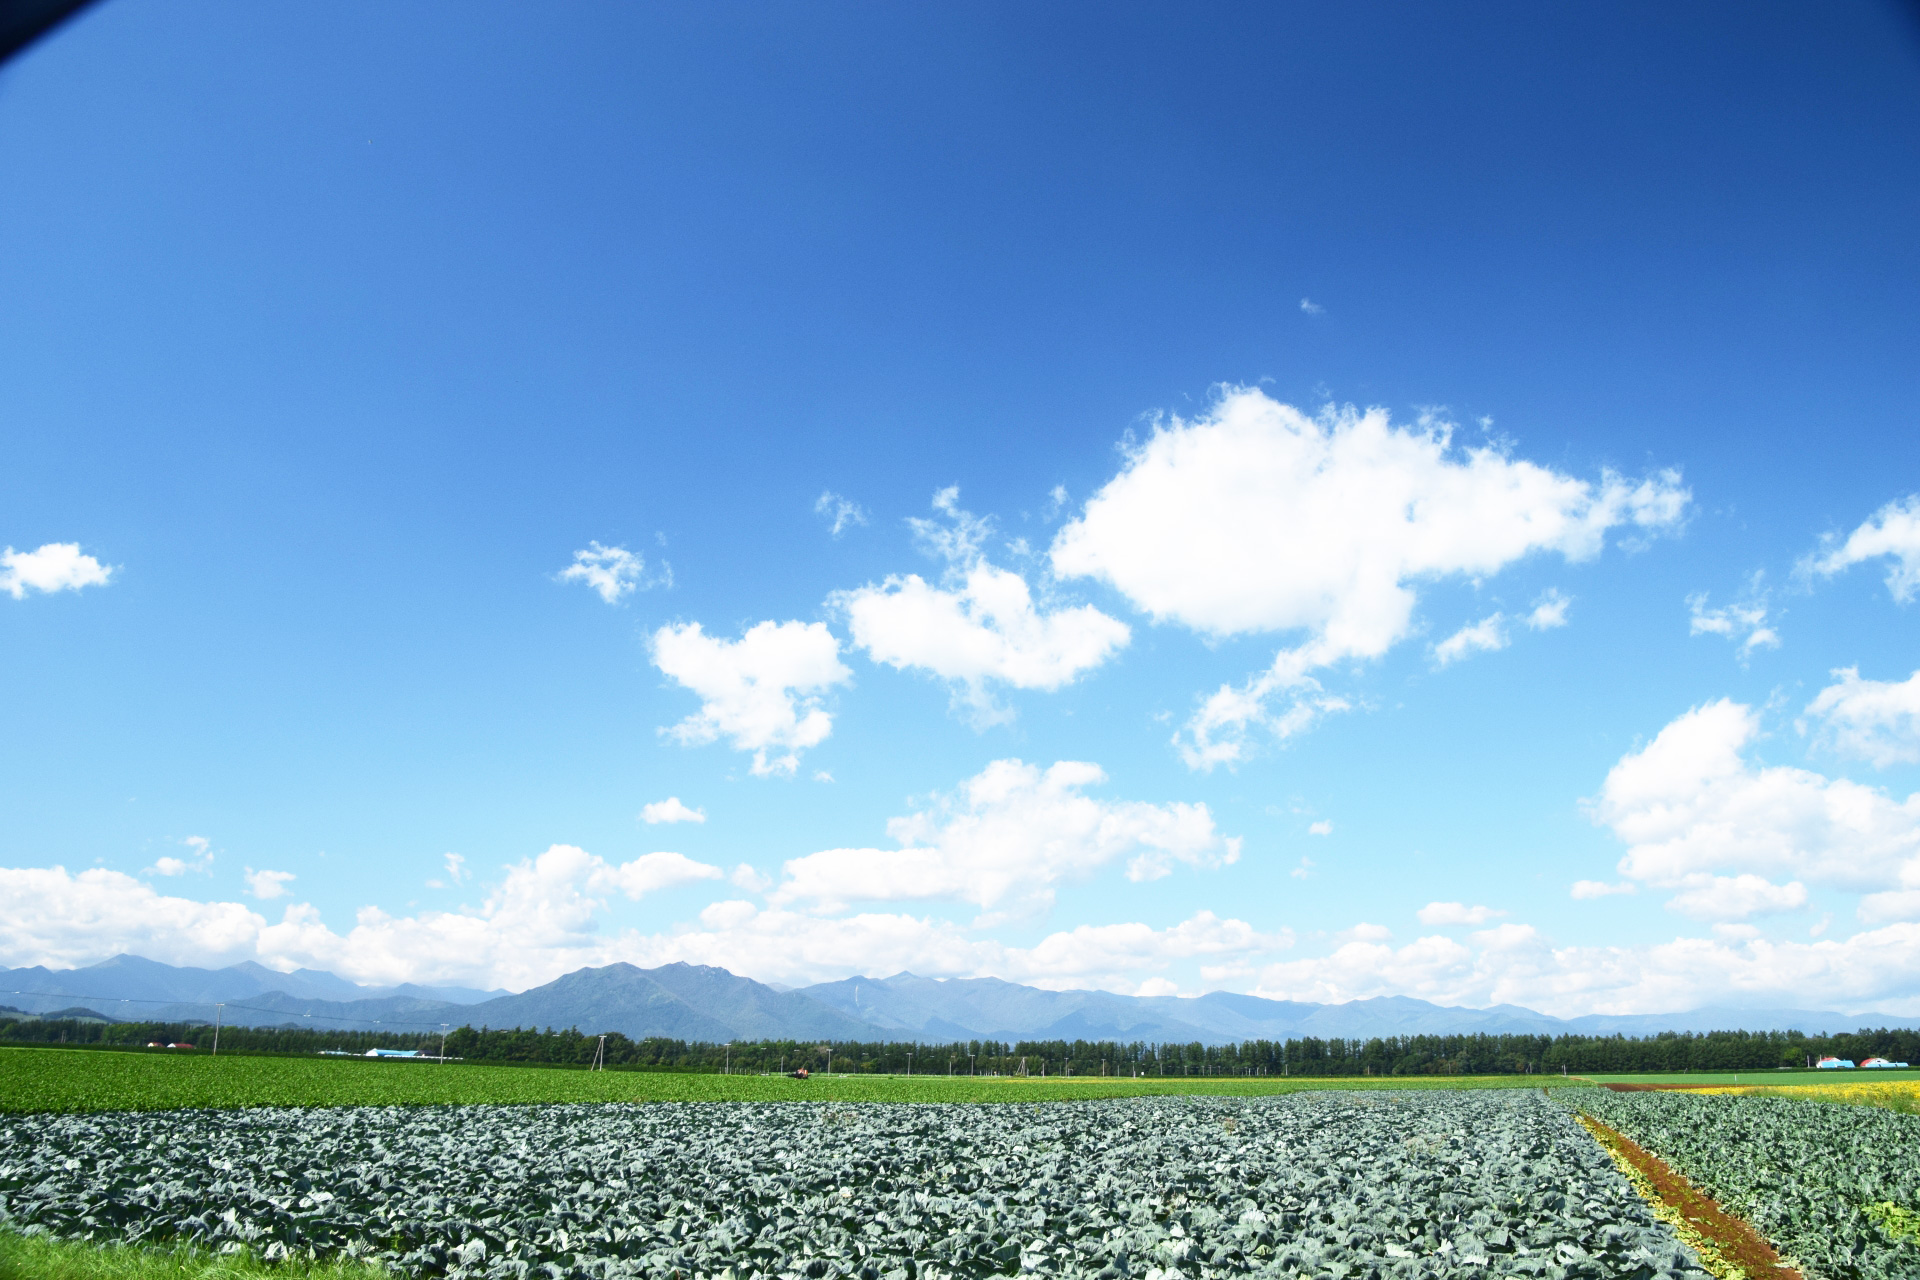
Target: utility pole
[[443, 1043], [726, 1068], [216, 1028], [970, 1064]]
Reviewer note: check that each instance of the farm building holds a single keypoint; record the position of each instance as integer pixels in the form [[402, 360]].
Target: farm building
[[1880, 1062], [1834, 1064]]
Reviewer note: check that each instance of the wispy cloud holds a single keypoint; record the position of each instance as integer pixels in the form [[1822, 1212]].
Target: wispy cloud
[[1894, 532], [1745, 621], [1549, 611], [1873, 720], [200, 859], [1485, 636], [615, 572], [841, 513]]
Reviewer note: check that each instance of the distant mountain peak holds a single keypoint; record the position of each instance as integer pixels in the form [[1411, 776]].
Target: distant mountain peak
[[705, 1002]]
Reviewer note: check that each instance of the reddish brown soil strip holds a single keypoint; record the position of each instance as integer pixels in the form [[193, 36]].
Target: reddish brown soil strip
[[1734, 1239]]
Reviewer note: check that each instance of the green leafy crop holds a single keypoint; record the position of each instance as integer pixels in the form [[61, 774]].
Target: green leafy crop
[[1440, 1185], [1833, 1186]]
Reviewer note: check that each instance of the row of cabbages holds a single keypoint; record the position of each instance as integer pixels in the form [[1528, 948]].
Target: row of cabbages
[[1432, 1184], [1819, 1179]]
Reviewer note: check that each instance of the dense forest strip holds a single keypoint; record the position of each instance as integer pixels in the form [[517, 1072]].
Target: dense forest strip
[[1309, 1057]]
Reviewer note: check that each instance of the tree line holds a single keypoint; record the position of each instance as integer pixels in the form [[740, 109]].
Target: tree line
[[1305, 1056]]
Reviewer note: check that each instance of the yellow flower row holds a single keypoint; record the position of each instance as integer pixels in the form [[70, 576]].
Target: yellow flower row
[[1895, 1095]]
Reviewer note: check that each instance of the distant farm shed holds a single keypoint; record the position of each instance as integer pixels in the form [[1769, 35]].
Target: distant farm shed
[[1834, 1064], [1880, 1062]]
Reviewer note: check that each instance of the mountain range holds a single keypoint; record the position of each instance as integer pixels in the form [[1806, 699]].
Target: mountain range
[[700, 1002]]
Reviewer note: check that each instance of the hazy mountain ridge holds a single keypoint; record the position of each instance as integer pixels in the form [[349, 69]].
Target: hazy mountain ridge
[[700, 1002]]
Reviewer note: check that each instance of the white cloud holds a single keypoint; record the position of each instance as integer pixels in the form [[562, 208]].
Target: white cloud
[[780, 945], [749, 878], [1873, 720], [1701, 818], [1105, 956], [654, 872], [1515, 964], [1489, 635], [1706, 897], [1259, 519], [1485, 636], [1548, 612], [64, 921], [1894, 904], [1304, 868], [980, 625], [614, 572], [1158, 987], [1745, 620], [1446, 913], [1324, 827], [1006, 840], [1893, 530], [841, 513], [267, 885], [1601, 889], [456, 872], [1311, 307], [539, 921], [1216, 733], [760, 692], [200, 861], [543, 919], [56, 566], [670, 810]]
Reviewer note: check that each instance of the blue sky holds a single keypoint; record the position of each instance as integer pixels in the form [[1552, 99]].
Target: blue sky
[[1325, 504]]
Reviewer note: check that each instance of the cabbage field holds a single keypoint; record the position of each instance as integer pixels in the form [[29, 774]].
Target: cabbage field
[[1835, 1187], [1430, 1184]]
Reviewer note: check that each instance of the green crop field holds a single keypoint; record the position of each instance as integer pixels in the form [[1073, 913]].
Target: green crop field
[[1439, 1184], [66, 1080], [1775, 1078]]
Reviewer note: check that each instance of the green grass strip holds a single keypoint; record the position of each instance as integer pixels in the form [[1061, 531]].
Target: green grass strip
[[57, 1080], [40, 1257]]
